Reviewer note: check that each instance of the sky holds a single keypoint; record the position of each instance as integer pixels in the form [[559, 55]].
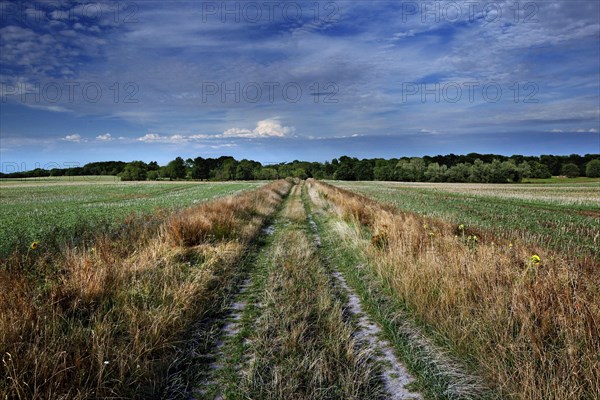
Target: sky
[[277, 81]]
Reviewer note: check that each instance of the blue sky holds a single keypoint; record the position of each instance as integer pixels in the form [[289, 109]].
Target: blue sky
[[277, 81]]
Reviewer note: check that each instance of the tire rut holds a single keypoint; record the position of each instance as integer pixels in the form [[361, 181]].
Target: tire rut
[[394, 375]]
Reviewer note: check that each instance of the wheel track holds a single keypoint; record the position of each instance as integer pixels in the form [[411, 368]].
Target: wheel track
[[394, 375]]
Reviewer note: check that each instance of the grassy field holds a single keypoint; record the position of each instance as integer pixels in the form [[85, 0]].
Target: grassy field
[[521, 315], [51, 210], [91, 179], [562, 217], [110, 319], [562, 181], [299, 290]]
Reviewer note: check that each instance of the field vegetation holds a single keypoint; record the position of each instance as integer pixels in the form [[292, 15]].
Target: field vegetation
[[524, 316], [563, 218], [300, 290], [55, 210], [105, 319]]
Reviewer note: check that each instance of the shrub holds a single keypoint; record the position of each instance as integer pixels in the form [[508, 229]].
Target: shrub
[[592, 169], [570, 170]]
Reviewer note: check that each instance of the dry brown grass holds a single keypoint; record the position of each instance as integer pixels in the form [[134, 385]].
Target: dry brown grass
[[534, 329], [105, 320], [294, 210]]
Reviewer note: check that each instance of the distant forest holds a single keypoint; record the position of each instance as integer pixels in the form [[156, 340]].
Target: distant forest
[[473, 167]]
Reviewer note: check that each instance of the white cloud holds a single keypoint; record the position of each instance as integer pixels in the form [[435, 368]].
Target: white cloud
[[592, 130], [199, 136], [49, 108], [402, 35], [156, 138], [73, 138], [177, 138], [150, 137], [104, 138], [237, 132], [557, 130], [272, 127], [265, 128]]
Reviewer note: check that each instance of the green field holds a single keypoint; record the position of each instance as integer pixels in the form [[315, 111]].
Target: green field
[[562, 181], [61, 179], [298, 289], [51, 209], [563, 217]]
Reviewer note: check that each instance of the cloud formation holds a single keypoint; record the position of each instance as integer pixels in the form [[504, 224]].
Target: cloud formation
[[107, 137], [180, 78], [73, 138], [266, 128]]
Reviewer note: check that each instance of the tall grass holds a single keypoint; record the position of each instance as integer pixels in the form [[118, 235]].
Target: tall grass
[[541, 220], [105, 319], [533, 329]]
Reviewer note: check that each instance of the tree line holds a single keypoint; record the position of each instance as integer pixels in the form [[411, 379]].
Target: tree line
[[473, 167]]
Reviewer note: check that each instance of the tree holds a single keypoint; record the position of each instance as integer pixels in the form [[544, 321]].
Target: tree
[[411, 171], [363, 170], [200, 168], [552, 162], [153, 175], [227, 170], [512, 171], [459, 173], [383, 170], [592, 169], [499, 172], [176, 169], [480, 172], [266, 174], [539, 170], [329, 170], [344, 172], [134, 171], [435, 172], [402, 170], [244, 170], [299, 173], [570, 170], [525, 169]]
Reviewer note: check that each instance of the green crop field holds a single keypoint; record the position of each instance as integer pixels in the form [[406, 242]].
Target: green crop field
[[563, 217], [562, 180], [60, 180], [47, 209], [298, 288]]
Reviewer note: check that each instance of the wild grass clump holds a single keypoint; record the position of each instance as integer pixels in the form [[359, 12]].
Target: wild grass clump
[[529, 323], [105, 318]]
